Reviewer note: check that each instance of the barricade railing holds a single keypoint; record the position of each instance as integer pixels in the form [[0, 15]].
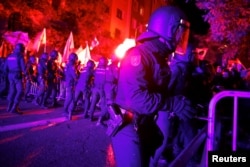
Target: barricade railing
[[210, 141], [34, 88]]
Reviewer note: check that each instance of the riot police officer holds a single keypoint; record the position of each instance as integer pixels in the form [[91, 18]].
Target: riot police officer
[[84, 84], [142, 87], [15, 67], [42, 74], [98, 87], [110, 86], [71, 76], [53, 72]]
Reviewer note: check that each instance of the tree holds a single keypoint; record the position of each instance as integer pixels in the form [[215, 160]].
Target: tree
[[229, 25], [226, 23], [84, 18]]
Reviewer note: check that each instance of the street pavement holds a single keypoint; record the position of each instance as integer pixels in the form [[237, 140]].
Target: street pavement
[[32, 115], [45, 137]]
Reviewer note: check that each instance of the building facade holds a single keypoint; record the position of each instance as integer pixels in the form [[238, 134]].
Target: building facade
[[129, 18]]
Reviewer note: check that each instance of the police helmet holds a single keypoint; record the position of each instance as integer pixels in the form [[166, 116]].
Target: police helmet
[[19, 48], [167, 23], [45, 56], [54, 54], [73, 57], [103, 62], [90, 64]]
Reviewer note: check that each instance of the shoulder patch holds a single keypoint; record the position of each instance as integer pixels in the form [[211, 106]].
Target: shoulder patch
[[135, 60]]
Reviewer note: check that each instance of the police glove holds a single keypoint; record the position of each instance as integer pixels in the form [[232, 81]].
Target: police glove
[[181, 107]]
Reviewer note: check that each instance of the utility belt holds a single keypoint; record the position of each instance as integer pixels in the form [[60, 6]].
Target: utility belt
[[119, 118], [17, 74]]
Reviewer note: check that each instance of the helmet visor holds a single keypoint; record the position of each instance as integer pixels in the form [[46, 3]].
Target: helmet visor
[[182, 35]]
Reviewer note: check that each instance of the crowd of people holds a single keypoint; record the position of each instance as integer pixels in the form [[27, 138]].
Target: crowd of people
[[155, 91]]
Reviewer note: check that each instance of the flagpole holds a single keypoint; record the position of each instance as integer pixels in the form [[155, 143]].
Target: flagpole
[[45, 40]]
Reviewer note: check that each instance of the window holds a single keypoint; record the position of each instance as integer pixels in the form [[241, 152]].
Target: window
[[107, 9], [117, 33], [119, 13]]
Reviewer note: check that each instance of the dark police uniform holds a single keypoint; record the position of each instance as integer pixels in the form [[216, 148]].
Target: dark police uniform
[[15, 68], [53, 74], [83, 86], [110, 87], [98, 93], [141, 90], [42, 74], [70, 81]]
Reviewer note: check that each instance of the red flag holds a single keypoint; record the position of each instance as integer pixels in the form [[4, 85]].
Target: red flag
[[68, 48], [40, 39]]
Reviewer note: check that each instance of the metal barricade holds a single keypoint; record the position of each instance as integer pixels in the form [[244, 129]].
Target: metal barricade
[[34, 88], [210, 141]]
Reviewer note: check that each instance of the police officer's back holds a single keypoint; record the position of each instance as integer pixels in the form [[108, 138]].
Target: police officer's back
[[15, 67], [110, 87], [98, 87], [42, 78], [71, 76], [84, 85], [53, 70]]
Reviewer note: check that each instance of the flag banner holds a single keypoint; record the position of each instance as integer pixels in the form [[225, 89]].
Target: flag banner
[[69, 47], [40, 39], [94, 43], [16, 37], [84, 54], [79, 50]]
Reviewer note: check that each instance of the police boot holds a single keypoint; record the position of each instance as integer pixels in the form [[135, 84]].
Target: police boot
[[15, 109], [42, 104], [85, 114], [92, 119], [98, 123], [9, 106], [70, 115]]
